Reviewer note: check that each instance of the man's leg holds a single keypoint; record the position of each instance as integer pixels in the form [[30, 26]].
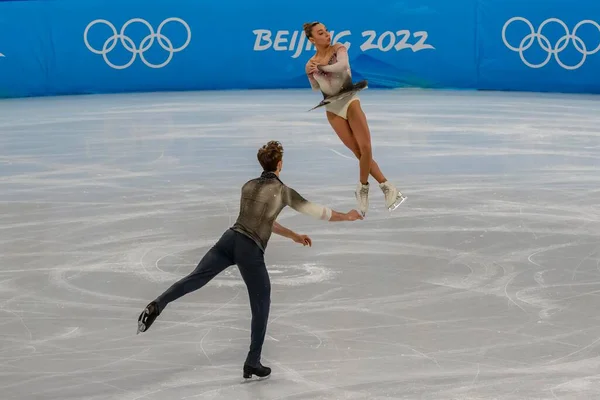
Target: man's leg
[[257, 281], [218, 258], [251, 263], [212, 264]]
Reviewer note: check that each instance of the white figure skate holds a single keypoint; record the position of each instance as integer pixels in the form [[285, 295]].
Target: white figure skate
[[393, 197], [362, 198]]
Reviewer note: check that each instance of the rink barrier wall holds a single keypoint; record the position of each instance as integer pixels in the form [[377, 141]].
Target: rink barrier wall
[[59, 47]]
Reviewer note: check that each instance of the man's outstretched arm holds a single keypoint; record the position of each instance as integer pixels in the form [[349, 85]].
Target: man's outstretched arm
[[300, 204]]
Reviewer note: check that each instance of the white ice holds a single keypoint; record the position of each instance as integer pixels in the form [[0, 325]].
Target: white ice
[[484, 284]]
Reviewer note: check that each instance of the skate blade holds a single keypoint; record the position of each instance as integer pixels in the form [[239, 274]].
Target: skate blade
[[142, 323], [255, 379], [400, 200]]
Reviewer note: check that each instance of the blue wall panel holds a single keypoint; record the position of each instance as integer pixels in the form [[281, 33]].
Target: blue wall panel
[[100, 46], [539, 46]]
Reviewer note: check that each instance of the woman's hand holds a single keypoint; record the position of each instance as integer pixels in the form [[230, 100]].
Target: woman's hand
[[313, 67]]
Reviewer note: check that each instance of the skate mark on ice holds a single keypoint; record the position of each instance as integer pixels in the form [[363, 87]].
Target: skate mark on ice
[[341, 155], [583, 260]]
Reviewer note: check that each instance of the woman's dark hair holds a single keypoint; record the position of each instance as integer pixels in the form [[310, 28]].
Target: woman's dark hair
[[269, 155], [308, 28]]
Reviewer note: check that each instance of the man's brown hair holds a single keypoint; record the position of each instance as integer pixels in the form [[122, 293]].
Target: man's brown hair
[[269, 155]]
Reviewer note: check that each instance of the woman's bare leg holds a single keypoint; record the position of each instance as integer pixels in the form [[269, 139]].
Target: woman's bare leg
[[342, 129], [360, 129]]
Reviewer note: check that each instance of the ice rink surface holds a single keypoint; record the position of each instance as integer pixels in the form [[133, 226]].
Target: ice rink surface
[[484, 284]]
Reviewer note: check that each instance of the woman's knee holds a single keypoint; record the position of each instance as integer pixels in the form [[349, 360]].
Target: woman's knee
[[365, 149], [356, 151], [353, 145]]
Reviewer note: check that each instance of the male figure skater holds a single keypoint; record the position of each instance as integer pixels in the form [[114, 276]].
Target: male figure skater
[[244, 244]]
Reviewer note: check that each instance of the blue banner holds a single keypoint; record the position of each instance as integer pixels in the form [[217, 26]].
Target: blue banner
[[524, 46], [110, 46], [395, 45]]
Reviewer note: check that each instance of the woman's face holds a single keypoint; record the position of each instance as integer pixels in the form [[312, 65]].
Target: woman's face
[[320, 36]]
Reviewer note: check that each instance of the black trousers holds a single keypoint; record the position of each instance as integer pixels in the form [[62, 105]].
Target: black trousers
[[233, 248]]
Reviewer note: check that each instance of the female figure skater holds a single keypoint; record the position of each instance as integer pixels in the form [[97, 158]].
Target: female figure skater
[[329, 71]]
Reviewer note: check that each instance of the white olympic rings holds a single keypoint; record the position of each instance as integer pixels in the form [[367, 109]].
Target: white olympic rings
[[545, 44], [130, 46]]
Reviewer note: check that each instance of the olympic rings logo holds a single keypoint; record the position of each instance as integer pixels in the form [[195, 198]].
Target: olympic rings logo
[[144, 46], [545, 44]]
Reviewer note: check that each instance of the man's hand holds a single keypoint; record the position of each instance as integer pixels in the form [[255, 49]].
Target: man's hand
[[288, 233], [303, 240], [354, 215]]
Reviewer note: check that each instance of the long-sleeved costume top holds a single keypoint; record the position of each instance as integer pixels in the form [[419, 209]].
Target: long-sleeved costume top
[[262, 200], [331, 79]]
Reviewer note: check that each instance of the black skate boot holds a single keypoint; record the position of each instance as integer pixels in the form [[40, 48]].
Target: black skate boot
[[147, 317], [260, 371]]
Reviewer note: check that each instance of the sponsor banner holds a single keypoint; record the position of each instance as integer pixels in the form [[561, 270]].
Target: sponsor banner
[[109, 46]]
